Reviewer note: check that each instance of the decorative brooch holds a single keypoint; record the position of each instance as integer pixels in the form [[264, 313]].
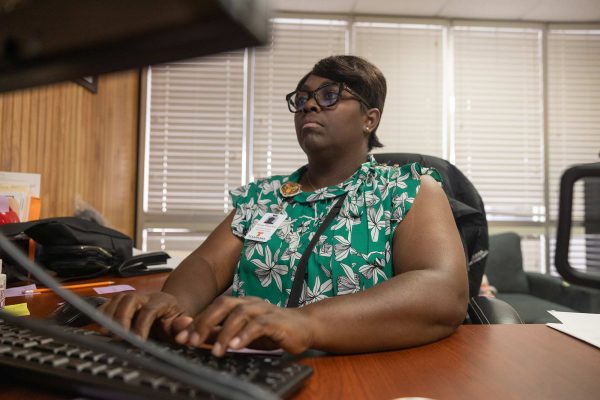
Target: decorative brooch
[[290, 189]]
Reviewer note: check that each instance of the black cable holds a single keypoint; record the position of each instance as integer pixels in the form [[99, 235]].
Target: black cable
[[171, 365]]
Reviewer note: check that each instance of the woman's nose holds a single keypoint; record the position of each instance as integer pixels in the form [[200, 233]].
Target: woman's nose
[[311, 105]]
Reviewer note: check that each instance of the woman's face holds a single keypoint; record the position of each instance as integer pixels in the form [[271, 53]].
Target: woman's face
[[340, 127]]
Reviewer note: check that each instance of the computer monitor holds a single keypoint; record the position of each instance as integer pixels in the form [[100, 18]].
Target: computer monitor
[[44, 41]]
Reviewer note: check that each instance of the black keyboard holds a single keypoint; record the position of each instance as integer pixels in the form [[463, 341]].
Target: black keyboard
[[72, 368]]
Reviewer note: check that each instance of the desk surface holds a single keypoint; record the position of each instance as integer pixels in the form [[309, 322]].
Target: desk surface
[[477, 362]]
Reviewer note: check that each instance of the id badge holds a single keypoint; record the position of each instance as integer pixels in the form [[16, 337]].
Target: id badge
[[264, 229]]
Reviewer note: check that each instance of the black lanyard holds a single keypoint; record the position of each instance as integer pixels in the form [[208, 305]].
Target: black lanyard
[[301, 273]]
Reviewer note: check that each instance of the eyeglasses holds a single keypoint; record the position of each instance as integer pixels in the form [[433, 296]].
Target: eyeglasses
[[326, 96]]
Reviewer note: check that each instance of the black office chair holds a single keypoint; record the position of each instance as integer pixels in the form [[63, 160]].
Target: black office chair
[[589, 277], [469, 214]]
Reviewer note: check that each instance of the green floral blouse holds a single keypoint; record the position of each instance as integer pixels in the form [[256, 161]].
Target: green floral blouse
[[352, 254]]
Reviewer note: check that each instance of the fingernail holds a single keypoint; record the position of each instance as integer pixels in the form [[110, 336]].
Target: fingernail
[[235, 342], [182, 337], [217, 348], [195, 339]]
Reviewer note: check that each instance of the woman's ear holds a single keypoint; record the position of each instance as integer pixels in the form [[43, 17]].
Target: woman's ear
[[372, 117]]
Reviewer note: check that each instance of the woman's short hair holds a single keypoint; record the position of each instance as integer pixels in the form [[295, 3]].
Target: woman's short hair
[[360, 75]]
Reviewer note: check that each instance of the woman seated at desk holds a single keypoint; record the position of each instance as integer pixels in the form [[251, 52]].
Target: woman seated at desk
[[379, 277]]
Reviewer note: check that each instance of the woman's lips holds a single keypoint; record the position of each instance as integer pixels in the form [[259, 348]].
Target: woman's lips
[[310, 125]]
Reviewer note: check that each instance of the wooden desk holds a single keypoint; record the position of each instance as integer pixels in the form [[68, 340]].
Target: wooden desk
[[477, 362], [43, 304]]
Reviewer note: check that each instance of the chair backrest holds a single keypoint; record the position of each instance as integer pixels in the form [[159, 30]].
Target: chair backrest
[[504, 266], [467, 208]]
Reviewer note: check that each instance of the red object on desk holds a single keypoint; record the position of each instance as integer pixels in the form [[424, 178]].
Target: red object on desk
[[8, 217]]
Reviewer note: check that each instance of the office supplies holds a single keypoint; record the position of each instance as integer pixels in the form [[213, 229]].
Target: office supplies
[[77, 369], [18, 310], [18, 290], [7, 214], [113, 289], [66, 314], [78, 286]]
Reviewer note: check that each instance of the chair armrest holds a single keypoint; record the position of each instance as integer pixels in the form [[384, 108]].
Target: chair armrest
[[556, 290], [489, 310], [545, 286]]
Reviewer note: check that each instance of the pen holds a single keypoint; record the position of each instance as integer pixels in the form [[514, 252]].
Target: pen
[[79, 286]]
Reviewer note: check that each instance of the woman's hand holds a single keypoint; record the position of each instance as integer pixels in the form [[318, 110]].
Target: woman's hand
[[245, 320], [139, 312]]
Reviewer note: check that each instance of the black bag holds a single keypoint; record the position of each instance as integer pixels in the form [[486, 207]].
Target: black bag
[[77, 248]]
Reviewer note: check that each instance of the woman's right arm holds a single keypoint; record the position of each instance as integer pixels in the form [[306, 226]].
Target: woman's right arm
[[195, 283]]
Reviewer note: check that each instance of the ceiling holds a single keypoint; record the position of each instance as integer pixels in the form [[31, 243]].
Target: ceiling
[[514, 10]]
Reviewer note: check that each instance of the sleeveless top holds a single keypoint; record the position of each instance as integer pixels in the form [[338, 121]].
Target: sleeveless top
[[354, 253]]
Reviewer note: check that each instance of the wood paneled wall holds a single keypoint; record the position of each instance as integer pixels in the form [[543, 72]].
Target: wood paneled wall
[[83, 144]]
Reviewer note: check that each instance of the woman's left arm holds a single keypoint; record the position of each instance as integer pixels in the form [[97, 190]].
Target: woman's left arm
[[425, 301]]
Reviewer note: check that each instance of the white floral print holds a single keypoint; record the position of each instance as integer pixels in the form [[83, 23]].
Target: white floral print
[[353, 253], [269, 270]]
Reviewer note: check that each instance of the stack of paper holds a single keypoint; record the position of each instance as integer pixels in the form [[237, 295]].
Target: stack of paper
[[23, 193], [583, 326]]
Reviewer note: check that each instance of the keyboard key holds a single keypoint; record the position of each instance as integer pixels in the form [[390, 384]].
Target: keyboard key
[[54, 347], [32, 356], [26, 344], [153, 381], [128, 375], [171, 386], [45, 359], [78, 365], [95, 357], [97, 368], [111, 372], [68, 351], [20, 353], [59, 361], [85, 354]]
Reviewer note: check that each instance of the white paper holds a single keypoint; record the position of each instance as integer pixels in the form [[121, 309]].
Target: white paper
[[21, 178], [583, 326], [246, 350]]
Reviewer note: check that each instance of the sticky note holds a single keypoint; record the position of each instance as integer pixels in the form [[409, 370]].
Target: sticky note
[[18, 310], [18, 290], [113, 289]]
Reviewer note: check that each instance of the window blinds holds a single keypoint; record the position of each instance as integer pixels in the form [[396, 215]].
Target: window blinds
[[411, 59], [195, 135], [573, 106], [296, 45], [499, 118], [216, 122]]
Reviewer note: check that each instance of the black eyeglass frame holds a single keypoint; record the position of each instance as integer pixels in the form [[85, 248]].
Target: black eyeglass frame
[[311, 94]]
